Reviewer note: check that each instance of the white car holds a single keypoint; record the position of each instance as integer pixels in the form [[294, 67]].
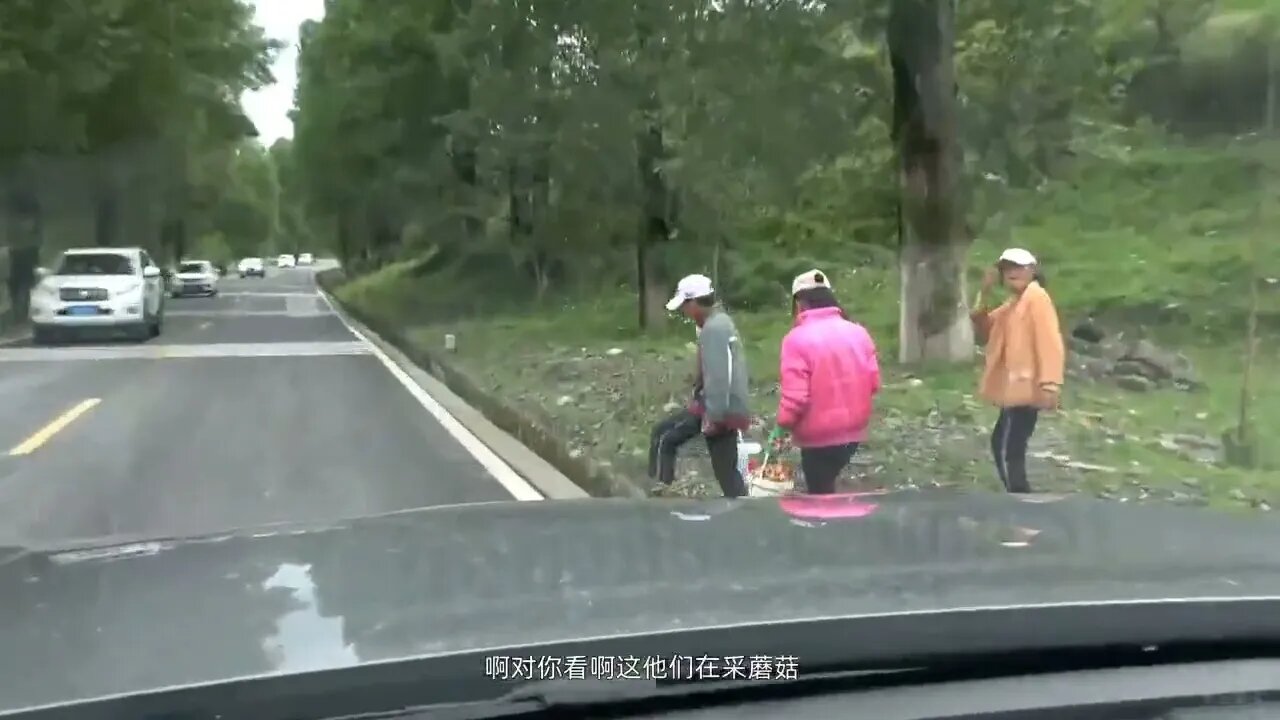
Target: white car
[[195, 277], [252, 267], [285, 261], [112, 289], [306, 259]]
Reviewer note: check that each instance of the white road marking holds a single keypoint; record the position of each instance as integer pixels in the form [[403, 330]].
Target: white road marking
[[170, 352], [301, 306], [520, 488]]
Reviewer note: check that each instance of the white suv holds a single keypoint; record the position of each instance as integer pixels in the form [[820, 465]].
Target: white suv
[[98, 288]]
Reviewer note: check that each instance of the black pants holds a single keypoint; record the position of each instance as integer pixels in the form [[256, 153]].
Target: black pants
[[674, 431], [822, 466], [1009, 446]]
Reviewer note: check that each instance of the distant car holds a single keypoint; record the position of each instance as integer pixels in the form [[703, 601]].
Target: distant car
[[285, 261], [252, 267], [118, 289], [306, 259], [195, 277]]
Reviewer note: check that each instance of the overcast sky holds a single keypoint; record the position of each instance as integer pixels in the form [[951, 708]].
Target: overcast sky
[[269, 108]]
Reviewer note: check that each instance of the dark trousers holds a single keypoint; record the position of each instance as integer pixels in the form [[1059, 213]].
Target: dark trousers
[[1009, 440], [679, 428], [822, 466]]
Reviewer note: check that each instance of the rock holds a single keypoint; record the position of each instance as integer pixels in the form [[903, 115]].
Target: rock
[[1084, 347], [1089, 331], [1194, 441], [1161, 364], [1181, 498], [1097, 354], [613, 351], [1087, 467], [564, 400], [1133, 368], [1135, 383], [1192, 447]]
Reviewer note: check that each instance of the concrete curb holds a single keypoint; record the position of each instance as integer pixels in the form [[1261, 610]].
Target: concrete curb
[[530, 449]]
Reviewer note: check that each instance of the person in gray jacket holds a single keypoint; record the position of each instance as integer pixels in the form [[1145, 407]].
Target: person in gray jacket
[[719, 409]]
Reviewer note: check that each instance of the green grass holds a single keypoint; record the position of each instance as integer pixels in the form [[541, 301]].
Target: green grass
[[1141, 248]]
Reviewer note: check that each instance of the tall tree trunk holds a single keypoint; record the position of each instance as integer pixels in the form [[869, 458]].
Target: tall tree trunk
[[105, 216], [173, 238], [346, 249], [933, 321], [26, 233], [464, 168], [464, 143], [657, 216], [1273, 66], [655, 230]]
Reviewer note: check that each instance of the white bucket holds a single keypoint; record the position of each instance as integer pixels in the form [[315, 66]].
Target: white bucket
[[757, 486], [746, 449]]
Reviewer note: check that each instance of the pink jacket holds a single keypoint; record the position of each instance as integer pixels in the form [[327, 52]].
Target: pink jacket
[[830, 376]]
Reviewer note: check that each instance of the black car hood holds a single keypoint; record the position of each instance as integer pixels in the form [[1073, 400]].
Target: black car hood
[[89, 622]]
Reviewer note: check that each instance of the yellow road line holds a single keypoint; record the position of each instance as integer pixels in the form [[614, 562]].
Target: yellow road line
[[41, 436]]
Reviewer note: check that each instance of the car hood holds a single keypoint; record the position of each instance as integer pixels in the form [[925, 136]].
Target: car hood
[[109, 282], [194, 276], [291, 598]]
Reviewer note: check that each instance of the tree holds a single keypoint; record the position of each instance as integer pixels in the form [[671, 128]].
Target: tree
[[111, 111], [247, 211], [933, 323]]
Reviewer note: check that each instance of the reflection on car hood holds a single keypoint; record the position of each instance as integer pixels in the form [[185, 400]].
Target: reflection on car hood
[[148, 614]]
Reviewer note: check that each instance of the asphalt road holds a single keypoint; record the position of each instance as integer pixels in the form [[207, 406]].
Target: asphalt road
[[255, 407]]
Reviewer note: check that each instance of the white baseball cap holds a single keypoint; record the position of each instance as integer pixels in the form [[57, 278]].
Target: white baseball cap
[[690, 287], [810, 280], [1018, 256]]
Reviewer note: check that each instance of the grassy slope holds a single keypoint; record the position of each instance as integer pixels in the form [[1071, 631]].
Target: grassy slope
[[1141, 243]]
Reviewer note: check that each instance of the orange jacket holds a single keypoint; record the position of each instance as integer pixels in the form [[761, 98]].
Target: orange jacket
[[1025, 350]]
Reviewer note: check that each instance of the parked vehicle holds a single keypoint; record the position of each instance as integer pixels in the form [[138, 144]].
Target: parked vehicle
[[103, 289]]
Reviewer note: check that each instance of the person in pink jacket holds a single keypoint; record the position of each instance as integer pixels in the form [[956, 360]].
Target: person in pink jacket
[[830, 376]]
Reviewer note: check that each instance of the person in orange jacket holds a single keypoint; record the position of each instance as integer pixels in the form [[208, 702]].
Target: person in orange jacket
[[1025, 359]]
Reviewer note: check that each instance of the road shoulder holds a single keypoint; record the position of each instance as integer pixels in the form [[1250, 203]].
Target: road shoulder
[[533, 469]]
